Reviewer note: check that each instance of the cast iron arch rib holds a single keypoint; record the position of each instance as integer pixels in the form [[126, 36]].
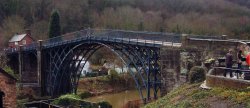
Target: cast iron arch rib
[[141, 58]]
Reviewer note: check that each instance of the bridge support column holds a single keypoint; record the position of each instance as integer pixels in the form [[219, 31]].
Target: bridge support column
[[170, 69], [39, 64], [20, 61], [184, 39]]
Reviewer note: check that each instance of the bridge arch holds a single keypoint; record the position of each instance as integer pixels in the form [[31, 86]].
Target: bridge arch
[[64, 65]]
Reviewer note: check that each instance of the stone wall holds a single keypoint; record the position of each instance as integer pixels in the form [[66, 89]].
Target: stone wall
[[215, 78], [170, 68], [29, 69], [220, 81], [213, 48], [8, 86]]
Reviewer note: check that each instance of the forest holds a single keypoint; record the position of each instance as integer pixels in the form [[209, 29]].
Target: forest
[[200, 17]]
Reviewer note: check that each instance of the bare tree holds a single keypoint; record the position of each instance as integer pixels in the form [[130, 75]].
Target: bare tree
[[3, 60]]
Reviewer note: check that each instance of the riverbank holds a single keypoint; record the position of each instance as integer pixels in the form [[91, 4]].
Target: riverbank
[[119, 91], [119, 100], [104, 85], [192, 96]]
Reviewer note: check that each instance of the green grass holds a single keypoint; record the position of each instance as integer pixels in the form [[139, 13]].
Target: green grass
[[11, 72], [74, 101], [68, 99], [191, 96]]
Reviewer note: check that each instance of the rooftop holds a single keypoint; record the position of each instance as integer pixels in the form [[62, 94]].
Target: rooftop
[[17, 38]]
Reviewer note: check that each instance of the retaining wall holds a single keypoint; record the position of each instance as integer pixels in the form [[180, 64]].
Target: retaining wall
[[213, 80]]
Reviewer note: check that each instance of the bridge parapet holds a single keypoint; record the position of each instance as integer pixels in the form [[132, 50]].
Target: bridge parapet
[[153, 39], [132, 37]]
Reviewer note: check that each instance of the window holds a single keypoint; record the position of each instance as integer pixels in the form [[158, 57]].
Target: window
[[24, 42], [16, 43]]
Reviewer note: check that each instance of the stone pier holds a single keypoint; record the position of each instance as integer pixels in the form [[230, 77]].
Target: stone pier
[[170, 68]]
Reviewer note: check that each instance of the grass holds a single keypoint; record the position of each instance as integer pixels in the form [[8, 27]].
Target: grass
[[11, 72], [68, 99], [191, 96], [75, 101]]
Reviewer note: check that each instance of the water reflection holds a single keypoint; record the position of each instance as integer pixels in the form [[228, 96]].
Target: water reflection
[[118, 100]]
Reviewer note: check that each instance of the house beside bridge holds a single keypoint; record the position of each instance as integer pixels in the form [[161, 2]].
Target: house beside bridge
[[21, 39]]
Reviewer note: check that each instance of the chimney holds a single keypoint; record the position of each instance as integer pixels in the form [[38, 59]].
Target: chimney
[[28, 32]]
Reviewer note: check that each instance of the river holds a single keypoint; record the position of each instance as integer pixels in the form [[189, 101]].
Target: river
[[118, 100]]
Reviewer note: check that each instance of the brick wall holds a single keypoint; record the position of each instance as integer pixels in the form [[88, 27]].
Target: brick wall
[[8, 86], [28, 39]]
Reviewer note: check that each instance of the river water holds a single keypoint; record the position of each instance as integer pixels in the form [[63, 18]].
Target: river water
[[118, 100]]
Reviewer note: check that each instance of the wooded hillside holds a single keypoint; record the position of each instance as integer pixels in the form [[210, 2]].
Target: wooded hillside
[[203, 17]]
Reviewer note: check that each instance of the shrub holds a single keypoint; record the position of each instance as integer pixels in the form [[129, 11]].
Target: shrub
[[68, 99], [91, 74], [85, 94], [113, 76], [20, 103], [10, 72], [25, 93], [104, 104], [197, 74]]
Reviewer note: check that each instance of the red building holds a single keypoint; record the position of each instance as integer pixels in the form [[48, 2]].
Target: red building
[[7, 90], [21, 39]]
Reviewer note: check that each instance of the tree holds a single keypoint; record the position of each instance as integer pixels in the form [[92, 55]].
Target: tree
[[11, 25], [54, 26], [141, 26], [39, 30], [3, 59]]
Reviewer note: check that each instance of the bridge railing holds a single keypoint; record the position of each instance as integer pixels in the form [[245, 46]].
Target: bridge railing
[[108, 34], [154, 38], [28, 47]]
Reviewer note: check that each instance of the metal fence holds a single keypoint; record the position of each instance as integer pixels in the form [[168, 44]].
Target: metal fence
[[41, 104], [219, 71], [114, 36], [136, 37]]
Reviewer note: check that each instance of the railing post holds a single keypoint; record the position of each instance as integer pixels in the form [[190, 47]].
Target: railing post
[[39, 64], [184, 40], [172, 42], [122, 38], [137, 40]]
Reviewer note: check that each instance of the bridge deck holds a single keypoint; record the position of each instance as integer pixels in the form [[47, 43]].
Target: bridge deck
[[149, 39], [141, 42]]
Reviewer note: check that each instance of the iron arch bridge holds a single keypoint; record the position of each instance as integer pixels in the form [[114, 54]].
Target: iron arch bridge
[[59, 59]]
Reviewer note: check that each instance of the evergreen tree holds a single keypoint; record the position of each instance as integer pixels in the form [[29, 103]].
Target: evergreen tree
[[54, 26]]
